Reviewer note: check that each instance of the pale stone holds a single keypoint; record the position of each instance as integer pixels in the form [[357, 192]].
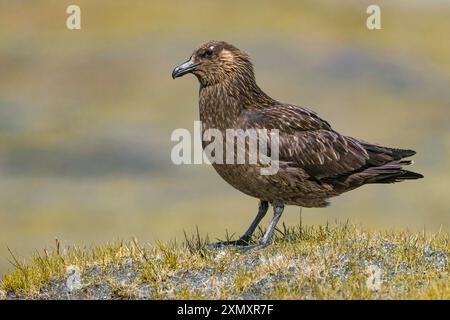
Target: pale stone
[[73, 281], [374, 280]]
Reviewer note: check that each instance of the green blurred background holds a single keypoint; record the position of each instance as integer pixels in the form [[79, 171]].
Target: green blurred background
[[86, 116]]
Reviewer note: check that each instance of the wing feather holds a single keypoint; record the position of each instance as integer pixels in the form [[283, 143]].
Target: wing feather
[[308, 142]]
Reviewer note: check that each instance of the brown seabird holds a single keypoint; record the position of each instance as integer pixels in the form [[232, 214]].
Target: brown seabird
[[315, 161]]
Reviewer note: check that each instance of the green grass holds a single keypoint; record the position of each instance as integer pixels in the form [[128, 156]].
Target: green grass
[[330, 262]]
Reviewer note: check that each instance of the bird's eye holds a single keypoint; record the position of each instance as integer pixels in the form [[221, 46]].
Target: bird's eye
[[208, 53]]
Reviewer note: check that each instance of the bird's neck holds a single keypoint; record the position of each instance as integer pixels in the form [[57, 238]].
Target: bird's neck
[[222, 104]]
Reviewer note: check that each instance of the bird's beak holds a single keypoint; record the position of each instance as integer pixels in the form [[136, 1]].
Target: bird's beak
[[183, 69]]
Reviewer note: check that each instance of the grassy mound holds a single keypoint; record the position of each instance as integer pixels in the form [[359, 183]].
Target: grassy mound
[[331, 262]]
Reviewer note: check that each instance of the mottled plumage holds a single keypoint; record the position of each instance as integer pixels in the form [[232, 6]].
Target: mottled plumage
[[316, 162]]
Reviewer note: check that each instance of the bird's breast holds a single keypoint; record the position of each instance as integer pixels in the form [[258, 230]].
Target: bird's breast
[[219, 108]]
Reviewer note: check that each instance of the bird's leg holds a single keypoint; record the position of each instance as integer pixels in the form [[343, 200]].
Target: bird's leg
[[262, 210], [267, 238], [277, 211]]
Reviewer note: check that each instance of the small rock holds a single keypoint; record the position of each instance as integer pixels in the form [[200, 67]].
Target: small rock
[[2, 295], [374, 280], [73, 281]]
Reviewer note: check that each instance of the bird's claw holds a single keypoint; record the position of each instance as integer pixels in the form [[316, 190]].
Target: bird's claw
[[241, 243], [254, 247]]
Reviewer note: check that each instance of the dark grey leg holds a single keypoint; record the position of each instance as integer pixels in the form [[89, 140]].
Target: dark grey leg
[[277, 211], [262, 210], [267, 238]]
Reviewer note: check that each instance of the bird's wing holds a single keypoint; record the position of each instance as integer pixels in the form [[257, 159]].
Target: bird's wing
[[309, 142], [286, 118], [322, 153]]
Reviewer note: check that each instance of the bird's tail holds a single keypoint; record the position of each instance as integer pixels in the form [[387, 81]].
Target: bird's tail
[[392, 170]]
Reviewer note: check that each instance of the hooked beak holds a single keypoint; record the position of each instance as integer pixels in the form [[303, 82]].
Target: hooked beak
[[183, 69]]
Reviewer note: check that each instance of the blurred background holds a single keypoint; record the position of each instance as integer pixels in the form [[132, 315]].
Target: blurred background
[[86, 116]]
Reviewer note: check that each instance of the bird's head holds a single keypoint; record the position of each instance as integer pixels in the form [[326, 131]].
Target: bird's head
[[215, 62]]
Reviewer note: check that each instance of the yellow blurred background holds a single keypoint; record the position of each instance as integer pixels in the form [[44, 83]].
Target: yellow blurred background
[[86, 116]]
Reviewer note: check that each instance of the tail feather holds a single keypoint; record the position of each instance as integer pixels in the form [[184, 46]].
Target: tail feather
[[391, 172], [387, 164], [384, 165], [401, 153], [395, 153], [396, 177]]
